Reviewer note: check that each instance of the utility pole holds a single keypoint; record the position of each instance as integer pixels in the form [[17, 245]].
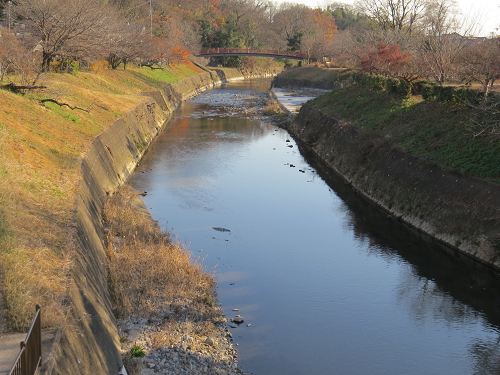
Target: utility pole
[[151, 16], [9, 3]]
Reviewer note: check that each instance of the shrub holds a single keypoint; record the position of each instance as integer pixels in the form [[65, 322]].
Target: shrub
[[468, 96], [378, 82], [392, 85], [428, 92], [444, 93], [404, 89]]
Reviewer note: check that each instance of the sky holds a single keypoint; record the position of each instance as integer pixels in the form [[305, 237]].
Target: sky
[[487, 11]]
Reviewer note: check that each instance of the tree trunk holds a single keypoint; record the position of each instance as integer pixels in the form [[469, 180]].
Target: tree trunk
[[4, 71], [46, 58], [485, 86]]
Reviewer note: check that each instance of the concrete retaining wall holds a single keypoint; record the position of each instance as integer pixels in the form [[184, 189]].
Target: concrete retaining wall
[[90, 343], [460, 211]]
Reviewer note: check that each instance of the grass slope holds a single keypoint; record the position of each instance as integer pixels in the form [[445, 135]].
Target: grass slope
[[41, 146], [439, 132]]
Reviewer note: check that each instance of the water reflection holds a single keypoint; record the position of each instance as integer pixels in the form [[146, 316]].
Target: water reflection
[[439, 284], [329, 284]]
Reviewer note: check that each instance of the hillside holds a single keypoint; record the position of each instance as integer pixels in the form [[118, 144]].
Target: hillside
[[41, 145], [444, 133]]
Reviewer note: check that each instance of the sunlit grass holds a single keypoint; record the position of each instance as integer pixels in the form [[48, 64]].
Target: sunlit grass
[[439, 132], [41, 147]]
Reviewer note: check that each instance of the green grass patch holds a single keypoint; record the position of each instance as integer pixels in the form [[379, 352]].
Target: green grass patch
[[162, 77], [440, 132], [317, 74], [62, 112]]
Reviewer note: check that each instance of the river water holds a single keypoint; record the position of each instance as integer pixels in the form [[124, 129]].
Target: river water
[[328, 284]]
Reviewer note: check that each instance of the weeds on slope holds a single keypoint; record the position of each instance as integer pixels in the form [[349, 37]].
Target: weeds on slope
[[439, 132], [149, 273]]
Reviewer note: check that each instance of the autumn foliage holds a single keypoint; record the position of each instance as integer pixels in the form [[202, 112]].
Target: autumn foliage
[[385, 60]]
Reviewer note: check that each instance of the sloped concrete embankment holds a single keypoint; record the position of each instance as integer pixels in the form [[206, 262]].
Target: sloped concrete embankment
[[90, 343], [460, 211]]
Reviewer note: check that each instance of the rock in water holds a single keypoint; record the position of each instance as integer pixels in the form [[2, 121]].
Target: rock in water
[[218, 229], [238, 320]]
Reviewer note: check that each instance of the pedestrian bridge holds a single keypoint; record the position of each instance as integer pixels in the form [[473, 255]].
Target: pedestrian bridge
[[250, 52]]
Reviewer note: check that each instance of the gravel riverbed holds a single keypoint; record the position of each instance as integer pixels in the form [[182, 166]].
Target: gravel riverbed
[[174, 344]]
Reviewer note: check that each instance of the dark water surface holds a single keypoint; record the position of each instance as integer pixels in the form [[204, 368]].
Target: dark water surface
[[329, 285]]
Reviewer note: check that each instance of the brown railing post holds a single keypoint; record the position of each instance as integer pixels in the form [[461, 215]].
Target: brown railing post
[[30, 354], [24, 359]]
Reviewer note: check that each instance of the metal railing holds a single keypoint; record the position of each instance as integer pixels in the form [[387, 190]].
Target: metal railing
[[30, 355], [245, 51]]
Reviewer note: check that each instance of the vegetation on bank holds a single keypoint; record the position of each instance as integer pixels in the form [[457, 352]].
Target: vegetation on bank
[[41, 146], [152, 277], [148, 272], [443, 132]]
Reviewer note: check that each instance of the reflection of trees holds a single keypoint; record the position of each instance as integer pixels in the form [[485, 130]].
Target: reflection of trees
[[425, 299], [449, 273], [487, 357], [438, 283]]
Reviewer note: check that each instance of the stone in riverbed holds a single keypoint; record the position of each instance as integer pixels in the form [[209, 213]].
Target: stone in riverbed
[[238, 320]]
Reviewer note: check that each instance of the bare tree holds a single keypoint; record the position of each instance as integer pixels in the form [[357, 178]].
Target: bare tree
[[289, 21], [395, 15], [445, 36], [480, 62], [16, 59], [59, 24]]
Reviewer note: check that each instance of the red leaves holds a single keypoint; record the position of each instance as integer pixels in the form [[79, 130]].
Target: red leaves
[[384, 59]]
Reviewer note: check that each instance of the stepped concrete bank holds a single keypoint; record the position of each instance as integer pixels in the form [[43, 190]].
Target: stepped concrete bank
[[460, 211], [90, 342]]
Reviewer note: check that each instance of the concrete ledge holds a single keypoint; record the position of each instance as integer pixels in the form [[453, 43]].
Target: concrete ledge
[[90, 344]]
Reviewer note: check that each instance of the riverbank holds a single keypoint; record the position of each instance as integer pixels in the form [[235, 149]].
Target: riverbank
[[419, 161], [41, 156], [165, 302]]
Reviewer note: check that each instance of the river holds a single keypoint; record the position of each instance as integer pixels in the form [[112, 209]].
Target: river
[[328, 284]]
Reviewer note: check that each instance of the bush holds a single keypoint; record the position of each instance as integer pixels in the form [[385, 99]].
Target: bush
[[468, 96], [404, 89], [444, 93], [428, 92], [378, 82], [392, 85]]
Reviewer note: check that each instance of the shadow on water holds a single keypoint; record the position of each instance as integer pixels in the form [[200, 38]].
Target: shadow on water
[[477, 285], [446, 277]]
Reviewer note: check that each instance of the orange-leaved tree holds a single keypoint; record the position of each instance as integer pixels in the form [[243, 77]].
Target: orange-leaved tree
[[385, 60]]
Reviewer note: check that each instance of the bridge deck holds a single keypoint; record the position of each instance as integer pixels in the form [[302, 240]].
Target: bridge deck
[[250, 52]]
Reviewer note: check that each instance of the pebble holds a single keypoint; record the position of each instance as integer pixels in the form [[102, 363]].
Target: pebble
[[238, 320], [215, 355]]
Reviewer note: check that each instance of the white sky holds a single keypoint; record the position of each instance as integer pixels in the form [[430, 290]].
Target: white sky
[[486, 11]]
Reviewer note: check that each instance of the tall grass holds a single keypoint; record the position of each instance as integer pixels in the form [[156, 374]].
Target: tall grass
[[40, 151], [149, 273]]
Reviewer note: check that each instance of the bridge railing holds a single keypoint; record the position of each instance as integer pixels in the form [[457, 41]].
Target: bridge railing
[[30, 355], [223, 51]]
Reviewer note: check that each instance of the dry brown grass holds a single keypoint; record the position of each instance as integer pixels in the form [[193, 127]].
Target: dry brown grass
[[148, 272], [41, 147], [272, 108]]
